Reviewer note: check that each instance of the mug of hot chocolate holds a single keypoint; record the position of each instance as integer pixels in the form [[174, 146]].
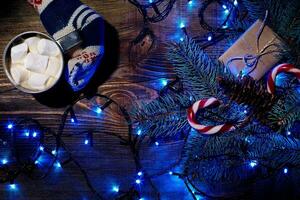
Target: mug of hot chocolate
[[75, 47]]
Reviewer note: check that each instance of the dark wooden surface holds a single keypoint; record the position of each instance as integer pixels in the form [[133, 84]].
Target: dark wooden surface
[[108, 162]]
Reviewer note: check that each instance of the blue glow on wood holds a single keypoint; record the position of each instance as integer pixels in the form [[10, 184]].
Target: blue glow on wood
[[115, 189], [10, 126]]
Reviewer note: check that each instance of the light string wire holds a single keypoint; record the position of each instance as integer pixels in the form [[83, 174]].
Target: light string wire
[[218, 33], [230, 8], [215, 34], [191, 187], [133, 142], [159, 8], [11, 174]]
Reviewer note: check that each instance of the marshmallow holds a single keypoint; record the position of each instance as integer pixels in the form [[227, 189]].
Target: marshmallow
[[48, 48], [37, 81], [32, 43], [36, 63], [50, 82], [18, 53], [17, 65], [54, 66], [19, 74]]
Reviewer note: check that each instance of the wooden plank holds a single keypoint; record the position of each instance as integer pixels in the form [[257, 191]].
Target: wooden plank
[[107, 162]]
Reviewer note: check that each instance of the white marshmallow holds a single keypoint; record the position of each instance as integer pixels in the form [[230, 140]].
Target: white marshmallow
[[18, 53], [19, 74], [50, 82], [32, 43], [36, 63], [37, 81], [17, 65], [48, 48], [54, 66]]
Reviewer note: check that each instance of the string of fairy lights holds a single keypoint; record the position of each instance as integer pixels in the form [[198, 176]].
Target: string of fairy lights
[[231, 10], [157, 10], [27, 132], [23, 147], [30, 131]]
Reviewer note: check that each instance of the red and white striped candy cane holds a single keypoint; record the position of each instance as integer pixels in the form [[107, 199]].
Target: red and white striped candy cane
[[202, 128], [289, 68]]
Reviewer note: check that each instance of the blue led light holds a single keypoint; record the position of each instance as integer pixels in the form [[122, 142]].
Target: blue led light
[[41, 148], [98, 110], [10, 126], [58, 165], [164, 82], [288, 133], [12, 186], [115, 189], [141, 199], [27, 133], [170, 172], [36, 162], [190, 2], [150, 1], [72, 120], [140, 173], [181, 39], [224, 6], [181, 25], [139, 132], [245, 111], [53, 152], [4, 161], [225, 26], [235, 2], [34, 134], [247, 140], [209, 38], [226, 11], [86, 141], [138, 181], [156, 143], [253, 163], [285, 170]]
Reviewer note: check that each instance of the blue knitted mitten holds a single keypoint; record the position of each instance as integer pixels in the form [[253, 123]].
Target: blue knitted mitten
[[68, 20]]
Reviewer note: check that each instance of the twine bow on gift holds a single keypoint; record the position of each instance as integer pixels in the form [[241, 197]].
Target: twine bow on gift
[[251, 60]]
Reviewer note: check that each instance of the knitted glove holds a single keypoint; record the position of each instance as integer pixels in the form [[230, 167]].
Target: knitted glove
[[68, 19]]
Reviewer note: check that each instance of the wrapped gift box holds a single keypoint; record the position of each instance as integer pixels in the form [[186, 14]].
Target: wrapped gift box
[[262, 50]]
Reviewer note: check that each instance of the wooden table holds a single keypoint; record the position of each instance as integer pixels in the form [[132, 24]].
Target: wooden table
[[131, 83]]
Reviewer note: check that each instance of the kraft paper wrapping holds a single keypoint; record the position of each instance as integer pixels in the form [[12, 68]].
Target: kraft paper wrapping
[[264, 47]]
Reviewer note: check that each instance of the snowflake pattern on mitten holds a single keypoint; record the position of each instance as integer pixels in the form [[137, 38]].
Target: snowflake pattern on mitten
[[63, 17]]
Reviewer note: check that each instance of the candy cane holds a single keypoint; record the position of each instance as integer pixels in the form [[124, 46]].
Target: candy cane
[[289, 68], [202, 128]]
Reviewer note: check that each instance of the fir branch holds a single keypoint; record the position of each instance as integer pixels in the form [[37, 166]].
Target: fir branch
[[197, 71], [286, 110], [165, 116], [220, 160]]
